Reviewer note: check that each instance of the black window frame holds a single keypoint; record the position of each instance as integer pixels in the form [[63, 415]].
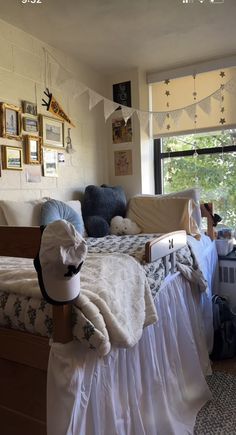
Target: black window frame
[[159, 156]]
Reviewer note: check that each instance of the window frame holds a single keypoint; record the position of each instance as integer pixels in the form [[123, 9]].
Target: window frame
[[159, 156]]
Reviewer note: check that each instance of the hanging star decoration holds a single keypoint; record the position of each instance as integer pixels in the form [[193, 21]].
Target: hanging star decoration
[[222, 98], [167, 93]]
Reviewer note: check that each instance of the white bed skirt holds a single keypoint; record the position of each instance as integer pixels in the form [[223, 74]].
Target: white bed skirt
[[155, 388]]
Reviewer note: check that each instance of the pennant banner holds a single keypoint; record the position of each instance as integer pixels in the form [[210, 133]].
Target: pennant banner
[[94, 98], [205, 105], [109, 108], [176, 115], [159, 118], [143, 118], [54, 107], [217, 95], [127, 112], [191, 110], [62, 77]]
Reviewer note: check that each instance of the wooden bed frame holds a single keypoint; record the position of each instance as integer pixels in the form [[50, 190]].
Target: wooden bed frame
[[24, 356]]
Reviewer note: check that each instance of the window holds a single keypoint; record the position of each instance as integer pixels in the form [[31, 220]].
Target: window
[[204, 160]]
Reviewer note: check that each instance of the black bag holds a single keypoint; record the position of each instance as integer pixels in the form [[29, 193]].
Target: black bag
[[224, 323]]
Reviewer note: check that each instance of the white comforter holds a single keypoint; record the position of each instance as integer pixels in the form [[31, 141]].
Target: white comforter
[[114, 305]]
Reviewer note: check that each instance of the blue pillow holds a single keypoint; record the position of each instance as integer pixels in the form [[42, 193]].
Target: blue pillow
[[54, 210]]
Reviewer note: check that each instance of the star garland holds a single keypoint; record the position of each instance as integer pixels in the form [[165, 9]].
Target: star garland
[[222, 120], [167, 93]]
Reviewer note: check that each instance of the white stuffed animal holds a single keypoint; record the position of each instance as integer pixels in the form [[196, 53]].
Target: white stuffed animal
[[120, 226]]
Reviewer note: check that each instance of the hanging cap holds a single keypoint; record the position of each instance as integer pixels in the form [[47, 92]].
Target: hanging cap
[[61, 255]]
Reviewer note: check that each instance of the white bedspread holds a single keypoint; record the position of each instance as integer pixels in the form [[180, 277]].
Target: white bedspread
[[114, 305]]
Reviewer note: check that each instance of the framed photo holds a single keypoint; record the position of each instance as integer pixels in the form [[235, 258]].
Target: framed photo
[[121, 131], [50, 163], [122, 93], [29, 108], [52, 131], [12, 158], [123, 162], [30, 125], [32, 150], [10, 121]]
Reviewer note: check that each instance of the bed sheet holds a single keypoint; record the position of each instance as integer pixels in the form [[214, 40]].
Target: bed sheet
[[155, 388]]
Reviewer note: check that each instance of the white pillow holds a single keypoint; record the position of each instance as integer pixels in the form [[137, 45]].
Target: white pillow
[[155, 214], [22, 213], [193, 193]]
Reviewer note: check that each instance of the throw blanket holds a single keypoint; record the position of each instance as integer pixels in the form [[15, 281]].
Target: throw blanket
[[114, 305]]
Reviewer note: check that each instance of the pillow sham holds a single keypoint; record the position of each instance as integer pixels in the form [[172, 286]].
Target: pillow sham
[[162, 215], [22, 213], [192, 193], [54, 210]]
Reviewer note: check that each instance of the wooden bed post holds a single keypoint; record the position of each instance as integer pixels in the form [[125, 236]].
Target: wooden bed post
[[62, 327]]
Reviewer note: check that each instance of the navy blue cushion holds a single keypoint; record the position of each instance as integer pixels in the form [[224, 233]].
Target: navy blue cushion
[[97, 226], [54, 210], [104, 201]]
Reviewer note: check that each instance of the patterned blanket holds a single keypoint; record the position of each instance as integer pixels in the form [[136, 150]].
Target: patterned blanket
[[29, 312]]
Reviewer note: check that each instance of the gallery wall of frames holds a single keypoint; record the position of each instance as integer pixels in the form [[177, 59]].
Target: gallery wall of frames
[[40, 140]]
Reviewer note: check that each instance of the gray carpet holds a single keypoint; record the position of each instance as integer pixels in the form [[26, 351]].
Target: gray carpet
[[218, 417]]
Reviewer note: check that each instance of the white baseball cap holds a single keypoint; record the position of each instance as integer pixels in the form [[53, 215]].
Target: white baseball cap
[[61, 255]]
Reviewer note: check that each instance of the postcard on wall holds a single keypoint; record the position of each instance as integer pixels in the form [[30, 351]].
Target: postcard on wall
[[33, 173], [121, 131], [123, 162]]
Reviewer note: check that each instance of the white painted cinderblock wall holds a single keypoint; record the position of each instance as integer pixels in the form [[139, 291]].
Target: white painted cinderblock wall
[[22, 77]]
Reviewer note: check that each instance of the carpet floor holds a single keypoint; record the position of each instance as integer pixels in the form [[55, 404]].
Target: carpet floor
[[218, 416]]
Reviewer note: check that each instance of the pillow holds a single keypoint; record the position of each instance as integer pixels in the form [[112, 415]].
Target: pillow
[[193, 193], [54, 210], [102, 203], [22, 213], [162, 215], [122, 226], [76, 205]]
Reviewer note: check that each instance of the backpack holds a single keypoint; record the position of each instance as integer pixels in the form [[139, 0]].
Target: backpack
[[224, 323]]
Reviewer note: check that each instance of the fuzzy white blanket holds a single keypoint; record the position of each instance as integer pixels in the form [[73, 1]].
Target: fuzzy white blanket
[[115, 301]]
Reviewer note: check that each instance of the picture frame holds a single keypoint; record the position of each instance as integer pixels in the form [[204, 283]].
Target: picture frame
[[122, 93], [50, 162], [29, 108], [33, 150], [123, 163], [52, 132], [30, 125], [10, 124], [121, 131], [12, 158]]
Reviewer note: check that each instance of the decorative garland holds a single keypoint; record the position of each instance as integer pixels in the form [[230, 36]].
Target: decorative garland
[[66, 79]]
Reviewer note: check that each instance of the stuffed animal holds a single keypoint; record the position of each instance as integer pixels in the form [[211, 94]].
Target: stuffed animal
[[100, 205], [121, 226]]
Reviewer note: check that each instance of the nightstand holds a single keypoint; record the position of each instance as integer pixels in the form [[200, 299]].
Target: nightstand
[[227, 277]]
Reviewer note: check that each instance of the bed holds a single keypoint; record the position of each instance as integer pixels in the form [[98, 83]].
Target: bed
[[120, 390]]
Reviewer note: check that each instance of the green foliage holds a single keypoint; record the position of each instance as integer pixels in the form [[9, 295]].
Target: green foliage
[[214, 174]]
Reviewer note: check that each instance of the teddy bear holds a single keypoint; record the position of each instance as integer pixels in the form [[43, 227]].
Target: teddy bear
[[121, 226]]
